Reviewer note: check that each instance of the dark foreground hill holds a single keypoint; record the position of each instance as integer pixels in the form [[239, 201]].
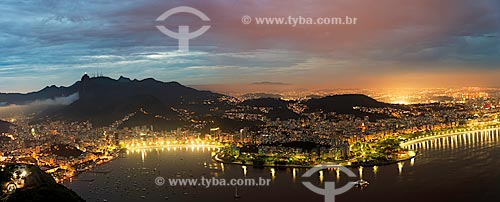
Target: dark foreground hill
[[39, 187]]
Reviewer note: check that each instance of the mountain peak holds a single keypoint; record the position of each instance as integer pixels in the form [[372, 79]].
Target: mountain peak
[[85, 77], [51, 87], [124, 79]]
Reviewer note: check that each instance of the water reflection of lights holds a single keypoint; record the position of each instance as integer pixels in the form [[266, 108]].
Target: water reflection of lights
[[321, 177], [338, 173], [142, 156], [375, 170], [360, 170], [273, 173], [175, 148], [244, 170], [400, 167], [294, 173]]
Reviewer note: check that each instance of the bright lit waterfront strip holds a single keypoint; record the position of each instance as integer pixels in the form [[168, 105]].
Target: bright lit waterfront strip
[[137, 145], [453, 139]]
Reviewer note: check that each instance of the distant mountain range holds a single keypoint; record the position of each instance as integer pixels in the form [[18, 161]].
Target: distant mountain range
[[49, 92], [103, 100]]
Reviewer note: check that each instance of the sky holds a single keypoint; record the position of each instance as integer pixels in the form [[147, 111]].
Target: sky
[[395, 43]]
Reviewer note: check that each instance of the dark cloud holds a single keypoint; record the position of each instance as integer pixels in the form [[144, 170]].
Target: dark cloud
[[56, 41]]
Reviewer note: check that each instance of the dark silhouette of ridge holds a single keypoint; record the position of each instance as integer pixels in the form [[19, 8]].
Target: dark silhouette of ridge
[[344, 104], [104, 100]]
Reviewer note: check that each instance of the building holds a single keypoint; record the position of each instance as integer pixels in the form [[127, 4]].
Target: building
[[345, 149]]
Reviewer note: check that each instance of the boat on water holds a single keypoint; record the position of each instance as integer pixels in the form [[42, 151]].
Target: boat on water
[[362, 183], [213, 166]]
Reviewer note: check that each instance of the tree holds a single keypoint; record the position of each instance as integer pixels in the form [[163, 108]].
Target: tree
[[388, 146]]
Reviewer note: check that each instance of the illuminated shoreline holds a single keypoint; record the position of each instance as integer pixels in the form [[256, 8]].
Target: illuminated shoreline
[[172, 146], [438, 135], [411, 155]]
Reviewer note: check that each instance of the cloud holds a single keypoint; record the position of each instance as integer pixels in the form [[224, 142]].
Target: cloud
[[36, 106], [54, 42]]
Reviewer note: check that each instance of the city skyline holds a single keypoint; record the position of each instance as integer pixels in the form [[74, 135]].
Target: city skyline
[[262, 100], [420, 44]]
